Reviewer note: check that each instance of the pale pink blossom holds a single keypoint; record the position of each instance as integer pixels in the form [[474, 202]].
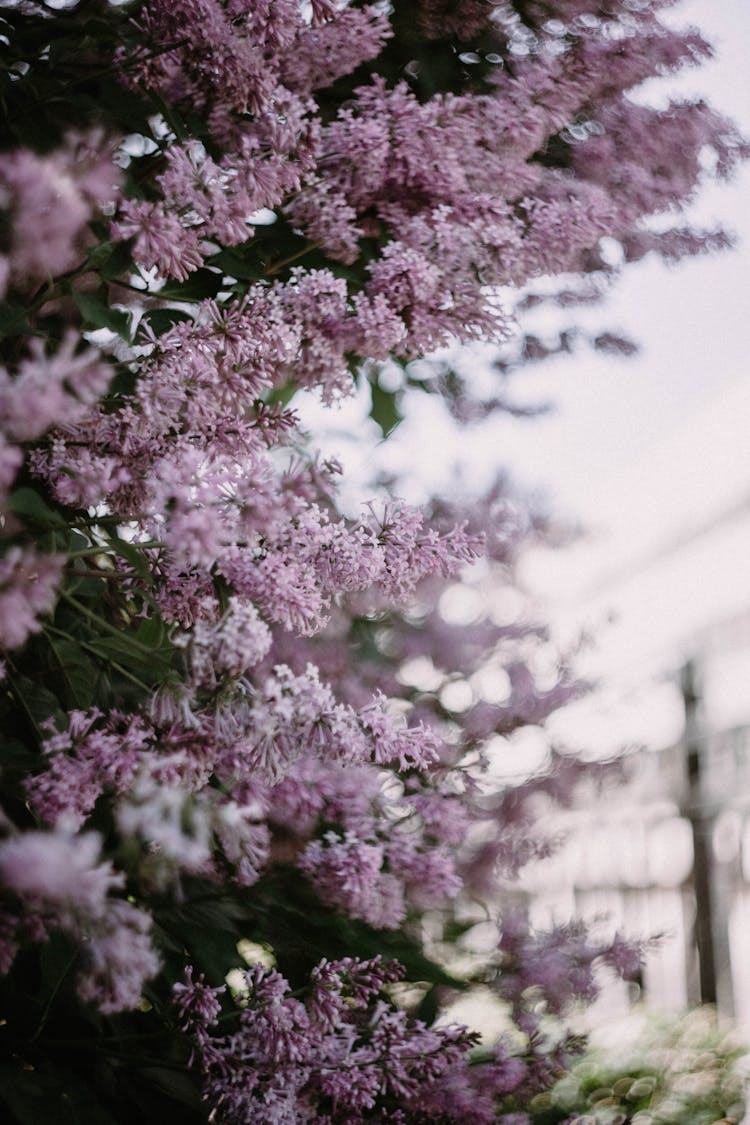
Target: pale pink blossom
[[28, 590]]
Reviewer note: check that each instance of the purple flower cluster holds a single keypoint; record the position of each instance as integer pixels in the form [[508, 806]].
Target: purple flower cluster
[[347, 1047], [49, 201], [211, 790], [451, 184], [308, 704], [197, 457], [46, 203], [28, 589], [345, 1053], [56, 879]]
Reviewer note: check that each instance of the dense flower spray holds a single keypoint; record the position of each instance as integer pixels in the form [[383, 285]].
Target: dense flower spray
[[237, 792]]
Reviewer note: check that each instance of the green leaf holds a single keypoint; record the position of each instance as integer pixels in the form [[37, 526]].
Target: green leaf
[[152, 632], [75, 541], [161, 320], [29, 505], [38, 702], [111, 259], [200, 285], [12, 320], [283, 394], [84, 586], [301, 929], [212, 950], [125, 650], [157, 1099], [97, 313], [207, 929], [16, 758], [33, 1096], [78, 673], [213, 909], [132, 553], [176, 1084], [245, 267], [385, 408]]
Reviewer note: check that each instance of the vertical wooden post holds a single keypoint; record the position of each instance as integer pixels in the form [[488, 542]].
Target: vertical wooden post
[[701, 823]]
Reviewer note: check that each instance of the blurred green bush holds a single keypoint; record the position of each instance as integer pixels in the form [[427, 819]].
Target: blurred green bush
[[686, 1071]]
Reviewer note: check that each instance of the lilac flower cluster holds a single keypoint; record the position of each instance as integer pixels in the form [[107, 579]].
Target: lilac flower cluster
[[194, 453], [451, 190], [46, 203], [256, 643], [450, 186], [28, 588], [44, 391], [340, 1057], [210, 789], [227, 60], [56, 879], [344, 1053], [557, 967]]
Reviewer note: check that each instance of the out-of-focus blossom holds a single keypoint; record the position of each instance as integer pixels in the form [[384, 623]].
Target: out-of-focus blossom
[[28, 589], [48, 201]]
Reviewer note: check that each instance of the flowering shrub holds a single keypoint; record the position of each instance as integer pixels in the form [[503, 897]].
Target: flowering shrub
[[211, 743]]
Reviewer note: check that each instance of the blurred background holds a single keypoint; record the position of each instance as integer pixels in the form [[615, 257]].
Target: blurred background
[[650, 456]]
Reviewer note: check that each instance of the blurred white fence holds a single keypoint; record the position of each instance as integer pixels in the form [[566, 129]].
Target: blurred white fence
[[664, 855]]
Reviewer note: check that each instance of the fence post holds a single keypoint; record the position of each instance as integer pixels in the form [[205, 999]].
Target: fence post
[[701, 823]]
